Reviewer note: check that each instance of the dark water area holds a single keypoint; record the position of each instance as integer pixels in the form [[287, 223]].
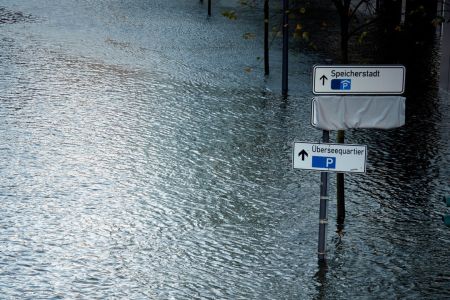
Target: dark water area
[[144, 155]]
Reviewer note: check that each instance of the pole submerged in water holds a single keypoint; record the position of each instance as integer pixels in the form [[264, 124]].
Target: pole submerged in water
[[284, 79], [340, 192], [209, 8], [266, 37], [323, 218]]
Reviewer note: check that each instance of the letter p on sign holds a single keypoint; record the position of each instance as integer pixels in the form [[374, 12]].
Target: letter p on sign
[[331, 163]]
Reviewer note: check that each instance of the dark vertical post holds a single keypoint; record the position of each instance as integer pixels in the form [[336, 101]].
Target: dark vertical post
[[209, 8], [340, 195], [323, 219], [266, 37], [284, 71], [340, 191]]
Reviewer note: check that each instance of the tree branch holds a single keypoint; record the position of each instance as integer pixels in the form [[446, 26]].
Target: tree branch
[[355, 9], [339, 6], [355, 30]]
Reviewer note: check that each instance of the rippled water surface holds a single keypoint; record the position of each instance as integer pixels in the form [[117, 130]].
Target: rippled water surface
[[143, 156]]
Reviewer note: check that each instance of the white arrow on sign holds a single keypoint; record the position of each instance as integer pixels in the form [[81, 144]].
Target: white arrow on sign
[[330, 157], [334, 80]]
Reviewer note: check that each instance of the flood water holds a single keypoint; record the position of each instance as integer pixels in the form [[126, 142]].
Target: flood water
[[144, 156]]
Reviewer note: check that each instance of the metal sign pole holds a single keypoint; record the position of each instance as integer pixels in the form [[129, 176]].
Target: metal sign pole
[[284, 66], [323, 219]]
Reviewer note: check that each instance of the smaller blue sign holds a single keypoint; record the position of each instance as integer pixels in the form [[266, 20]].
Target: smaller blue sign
[[324, 162], [341, 84]]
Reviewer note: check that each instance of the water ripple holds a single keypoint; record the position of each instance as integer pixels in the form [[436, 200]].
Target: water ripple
[[132, 168]]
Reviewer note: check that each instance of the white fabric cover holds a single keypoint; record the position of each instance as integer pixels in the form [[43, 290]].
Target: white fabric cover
[[345, 112]]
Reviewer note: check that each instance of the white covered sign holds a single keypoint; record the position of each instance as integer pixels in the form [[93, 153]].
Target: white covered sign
[[345, 112]]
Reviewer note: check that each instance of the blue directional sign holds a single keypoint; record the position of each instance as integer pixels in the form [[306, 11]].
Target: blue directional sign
[[330, 157]]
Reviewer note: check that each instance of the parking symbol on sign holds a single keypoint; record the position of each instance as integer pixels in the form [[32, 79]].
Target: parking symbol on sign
[[341, 84], [324, 162]]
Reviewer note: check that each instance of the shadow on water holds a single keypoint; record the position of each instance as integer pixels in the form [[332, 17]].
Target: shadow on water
[[444, 33]]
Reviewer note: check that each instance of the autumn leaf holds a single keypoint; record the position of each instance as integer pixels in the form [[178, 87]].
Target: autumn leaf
[[438, 21], [298, 31], [249, 36], [230, 14], [313, 46], [305, 36]]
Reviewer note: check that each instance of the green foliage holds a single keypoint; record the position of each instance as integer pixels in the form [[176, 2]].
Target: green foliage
[[362, 36], [312, 46], [420, 10]]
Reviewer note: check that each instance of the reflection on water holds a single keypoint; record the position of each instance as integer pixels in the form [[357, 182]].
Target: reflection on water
[[445, 57], [138, 166]]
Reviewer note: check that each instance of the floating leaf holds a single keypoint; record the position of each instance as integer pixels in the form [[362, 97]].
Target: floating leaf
[[250, 3], [230, 14], [249, 36], [248, 69]]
